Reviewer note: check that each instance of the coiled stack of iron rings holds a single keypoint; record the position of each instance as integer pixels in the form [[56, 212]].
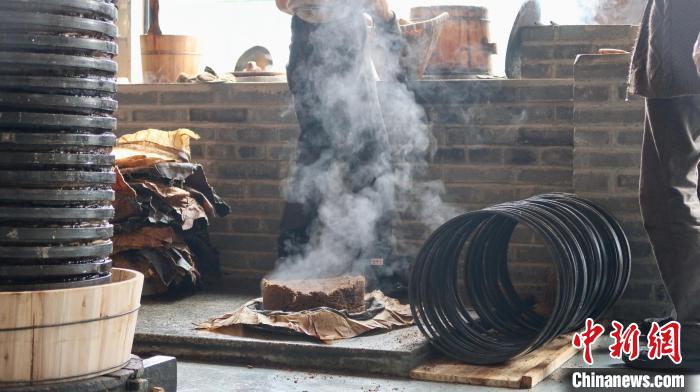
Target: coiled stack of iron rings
[[57, 96], [486, 321]]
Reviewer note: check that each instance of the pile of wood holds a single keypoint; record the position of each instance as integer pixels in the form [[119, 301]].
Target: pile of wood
[[163, 206]]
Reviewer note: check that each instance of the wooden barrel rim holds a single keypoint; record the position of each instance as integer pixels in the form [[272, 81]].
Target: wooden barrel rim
[[129, 277]]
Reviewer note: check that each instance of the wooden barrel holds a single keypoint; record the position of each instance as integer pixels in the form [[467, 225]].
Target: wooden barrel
[[71, 334], [165, 57], [463, 48]]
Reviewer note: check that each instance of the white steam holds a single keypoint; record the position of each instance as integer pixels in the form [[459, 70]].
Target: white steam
[[351, 228]]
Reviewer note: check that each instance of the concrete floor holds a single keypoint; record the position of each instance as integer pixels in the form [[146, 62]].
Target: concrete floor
[[197, 377], [167, 327]]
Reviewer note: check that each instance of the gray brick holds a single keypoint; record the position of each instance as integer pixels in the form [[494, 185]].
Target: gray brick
[[449, 155], [545, 137], [185, 97], [602, 71], [248, 170], [485, 155], [545, 176], [632, 115], [606, 33], [245, 225], [237, 95], [537, 71], [251, 152], [620, 204], [287, 135], [159, 115], [264, 190], [230, 190], [469, 194], [592, 93], [630, 138], [591, 182], [607, 159], [628, 182], [256, 208], [520, 156], [251, 243], [592, 137], [198, 151], [141, 98], [271, 115], [557, 156], [221, 151], [546, 93], [537, 33], [564, 71], [484, 135], [468, 174], [256, 135], [221, 115], [565, 113], [254, 260], [281, 153]]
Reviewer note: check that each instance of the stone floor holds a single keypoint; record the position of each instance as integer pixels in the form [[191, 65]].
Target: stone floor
[[215, 362], [167, 327]]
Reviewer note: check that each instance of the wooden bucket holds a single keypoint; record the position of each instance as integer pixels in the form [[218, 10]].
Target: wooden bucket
[[165, 57], [463, 48], [71, 334]]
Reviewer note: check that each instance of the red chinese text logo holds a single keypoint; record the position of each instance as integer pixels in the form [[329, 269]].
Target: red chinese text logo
[[587, 338], [662, 341]]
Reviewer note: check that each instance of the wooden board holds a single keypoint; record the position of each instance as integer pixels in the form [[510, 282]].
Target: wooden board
[[523, 372]]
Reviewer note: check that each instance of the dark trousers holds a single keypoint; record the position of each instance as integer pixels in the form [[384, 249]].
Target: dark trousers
[[669, 197], [331, 79]]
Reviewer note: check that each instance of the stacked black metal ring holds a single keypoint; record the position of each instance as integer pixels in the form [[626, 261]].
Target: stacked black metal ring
[[57, 97], [483, 320]]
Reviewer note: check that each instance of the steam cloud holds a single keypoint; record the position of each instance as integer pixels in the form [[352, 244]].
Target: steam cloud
[[351, 225]]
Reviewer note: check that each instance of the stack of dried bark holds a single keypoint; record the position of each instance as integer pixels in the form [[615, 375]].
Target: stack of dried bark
[[163, 205]]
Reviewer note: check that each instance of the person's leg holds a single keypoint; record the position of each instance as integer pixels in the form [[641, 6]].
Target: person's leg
[[338, 111], [669, 199]]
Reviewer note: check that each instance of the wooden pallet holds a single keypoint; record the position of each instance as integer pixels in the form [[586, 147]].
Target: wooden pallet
[[524, 372]]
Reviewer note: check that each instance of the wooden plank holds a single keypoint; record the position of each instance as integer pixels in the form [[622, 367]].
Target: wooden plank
[[523, 372]]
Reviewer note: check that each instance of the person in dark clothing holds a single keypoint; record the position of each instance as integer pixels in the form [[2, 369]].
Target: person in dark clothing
[[665, 72], [332, 81]]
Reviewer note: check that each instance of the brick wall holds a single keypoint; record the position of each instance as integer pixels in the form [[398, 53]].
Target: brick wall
[[497, 140], [549, 51], [607, 150]]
